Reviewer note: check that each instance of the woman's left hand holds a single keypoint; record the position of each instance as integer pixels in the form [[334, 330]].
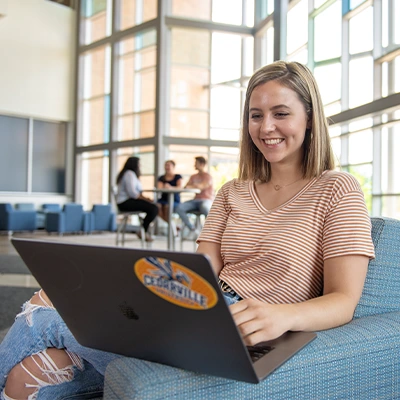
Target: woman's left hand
[[258, 321]]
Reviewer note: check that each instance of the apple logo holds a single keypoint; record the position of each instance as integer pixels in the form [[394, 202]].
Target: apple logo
[[128, 311]]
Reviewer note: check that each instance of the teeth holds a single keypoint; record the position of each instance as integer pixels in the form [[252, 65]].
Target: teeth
[[273, 141]]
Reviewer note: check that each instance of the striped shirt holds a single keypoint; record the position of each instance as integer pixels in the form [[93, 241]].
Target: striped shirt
[[277, 256]]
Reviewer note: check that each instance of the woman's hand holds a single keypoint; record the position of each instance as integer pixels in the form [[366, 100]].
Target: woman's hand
[[259, 322]]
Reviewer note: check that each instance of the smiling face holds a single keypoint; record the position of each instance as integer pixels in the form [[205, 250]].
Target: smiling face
[[277, 123]]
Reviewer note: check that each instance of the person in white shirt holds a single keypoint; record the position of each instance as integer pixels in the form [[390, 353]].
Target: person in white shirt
[[130, 198]]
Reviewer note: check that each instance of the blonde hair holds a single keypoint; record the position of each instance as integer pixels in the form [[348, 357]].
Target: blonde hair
[[317, 151]]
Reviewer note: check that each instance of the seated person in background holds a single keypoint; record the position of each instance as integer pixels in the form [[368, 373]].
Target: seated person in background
[[202, 201], [130, 198], [290, 240], [168, 180]]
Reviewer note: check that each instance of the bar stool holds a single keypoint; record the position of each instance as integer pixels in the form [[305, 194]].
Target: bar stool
[[198, 225], [121, 226]]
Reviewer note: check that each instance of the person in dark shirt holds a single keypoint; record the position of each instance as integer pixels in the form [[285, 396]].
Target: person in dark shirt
[[169, 179]]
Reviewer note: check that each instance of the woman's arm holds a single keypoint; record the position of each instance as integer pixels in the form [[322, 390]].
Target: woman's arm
[[212, 250], [343, 283]]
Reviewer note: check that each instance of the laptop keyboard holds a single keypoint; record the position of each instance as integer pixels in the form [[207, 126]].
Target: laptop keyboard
[[256, 352]]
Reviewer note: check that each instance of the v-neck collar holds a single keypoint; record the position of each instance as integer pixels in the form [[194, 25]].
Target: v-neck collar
[[257, 202]]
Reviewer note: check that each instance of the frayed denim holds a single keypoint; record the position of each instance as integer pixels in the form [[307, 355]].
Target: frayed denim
[[37, 328]]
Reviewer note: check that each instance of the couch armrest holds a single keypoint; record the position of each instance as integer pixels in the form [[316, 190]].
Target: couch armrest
[[359, 360]]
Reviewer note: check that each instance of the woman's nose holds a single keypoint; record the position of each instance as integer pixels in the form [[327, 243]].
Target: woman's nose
[[268, 124]]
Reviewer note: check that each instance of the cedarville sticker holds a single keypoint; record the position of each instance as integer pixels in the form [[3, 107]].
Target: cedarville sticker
[[175, 283]]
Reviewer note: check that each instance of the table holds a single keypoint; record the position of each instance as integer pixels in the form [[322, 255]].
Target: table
[[171, 192]]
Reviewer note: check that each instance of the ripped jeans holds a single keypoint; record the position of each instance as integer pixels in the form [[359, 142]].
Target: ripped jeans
[[38, 328]]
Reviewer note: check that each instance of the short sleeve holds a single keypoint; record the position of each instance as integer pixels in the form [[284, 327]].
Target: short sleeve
[[347, 228], [216, 220]]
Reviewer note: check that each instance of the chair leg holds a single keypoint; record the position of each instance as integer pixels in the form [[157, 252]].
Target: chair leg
[[142, 233]]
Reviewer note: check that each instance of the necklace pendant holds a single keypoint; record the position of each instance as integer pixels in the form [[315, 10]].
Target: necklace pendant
[[277, 187]]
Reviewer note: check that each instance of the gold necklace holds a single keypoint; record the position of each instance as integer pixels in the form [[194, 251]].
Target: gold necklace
[[279, 187]]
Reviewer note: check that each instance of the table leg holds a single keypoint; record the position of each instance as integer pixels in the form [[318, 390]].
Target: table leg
[[171, 239]]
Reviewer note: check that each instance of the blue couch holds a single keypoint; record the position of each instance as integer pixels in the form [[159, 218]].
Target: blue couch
[[360, 360], [16, 220]]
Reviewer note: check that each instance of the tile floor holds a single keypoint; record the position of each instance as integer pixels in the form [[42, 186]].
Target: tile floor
[[104, 238]]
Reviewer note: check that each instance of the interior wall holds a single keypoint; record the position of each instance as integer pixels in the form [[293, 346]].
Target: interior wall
[[37, 50]]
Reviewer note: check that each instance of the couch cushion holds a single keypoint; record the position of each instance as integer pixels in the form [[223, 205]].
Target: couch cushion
[[382, 286]]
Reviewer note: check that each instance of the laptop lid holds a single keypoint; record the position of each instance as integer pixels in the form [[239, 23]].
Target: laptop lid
[[155, 305]]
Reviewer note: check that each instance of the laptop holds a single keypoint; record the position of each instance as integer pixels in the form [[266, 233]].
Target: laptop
[[155, 305]]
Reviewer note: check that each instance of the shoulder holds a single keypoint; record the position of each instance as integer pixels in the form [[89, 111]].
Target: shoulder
[[340, 180], [236, 186], [130, 175], [178, 176]]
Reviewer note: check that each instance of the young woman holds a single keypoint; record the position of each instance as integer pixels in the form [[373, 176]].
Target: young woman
[[130, 198], [290, 240], [169, 179]]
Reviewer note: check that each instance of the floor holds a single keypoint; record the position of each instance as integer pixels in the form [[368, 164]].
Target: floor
[[103, 238]]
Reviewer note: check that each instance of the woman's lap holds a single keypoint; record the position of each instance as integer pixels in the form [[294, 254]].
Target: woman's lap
[[46, 329]]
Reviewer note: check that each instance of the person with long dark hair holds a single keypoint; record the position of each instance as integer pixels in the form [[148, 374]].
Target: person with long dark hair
[[130, 197]]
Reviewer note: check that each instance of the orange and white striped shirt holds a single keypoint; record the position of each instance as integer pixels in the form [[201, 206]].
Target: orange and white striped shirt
[[277, 256]]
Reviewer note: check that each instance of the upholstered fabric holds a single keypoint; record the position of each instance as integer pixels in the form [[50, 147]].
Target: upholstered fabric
[[102, 218], [360, 360], [71, 219], [16, 220], [382, 286]]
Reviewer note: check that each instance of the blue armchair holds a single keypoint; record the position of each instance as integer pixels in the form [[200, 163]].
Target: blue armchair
[[16, 220], [360, 360], [102, 218], [41, 214], [72, 219]]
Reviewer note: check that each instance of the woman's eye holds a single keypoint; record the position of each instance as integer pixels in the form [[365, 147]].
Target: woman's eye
[[281, 115], [255, 116]]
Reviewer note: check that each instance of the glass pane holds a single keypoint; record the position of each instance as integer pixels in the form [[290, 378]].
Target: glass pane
[[385, 23], [360, 81], [318, 3], [390, 183], [136, 126], [48, 157], [95, 20], [391, 207], [135, 12], [355, 3], [249, 20], [95, 122], [189, 87], [190, 46], [363, 173], [225, 57], [96, 72], [190, 81], [396, 17], [223, 165], [225, 110], [94, 178], [329, 82], [297, 26], [360, 147], [337, 149], [192, 9], [14, 154], [187, 123], [397, 74], [220, 14], [328, 33], [267, 47], [361, 32], [137, 87]]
